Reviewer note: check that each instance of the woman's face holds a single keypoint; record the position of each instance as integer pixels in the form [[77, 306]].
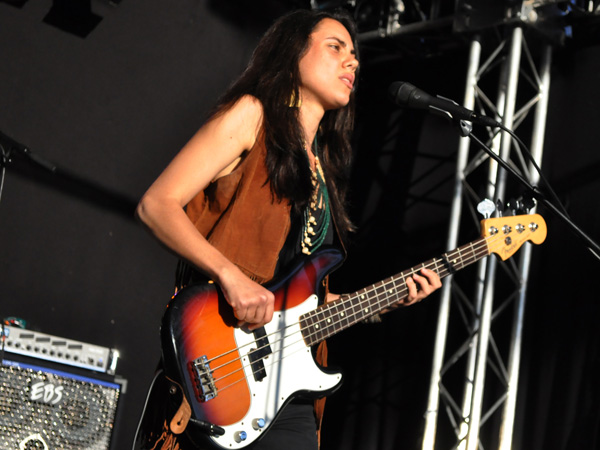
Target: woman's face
[[328, 66]]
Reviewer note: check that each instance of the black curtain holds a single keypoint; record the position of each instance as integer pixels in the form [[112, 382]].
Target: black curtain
[[111, 108]]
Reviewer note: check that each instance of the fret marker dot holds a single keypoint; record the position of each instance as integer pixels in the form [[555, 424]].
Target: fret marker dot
[[342, 314], [329, 320], [366, 309], [362, 296], [316, 326]]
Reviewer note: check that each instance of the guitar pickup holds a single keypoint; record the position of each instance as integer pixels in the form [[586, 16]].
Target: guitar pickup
[[256, 355], [205, 383]]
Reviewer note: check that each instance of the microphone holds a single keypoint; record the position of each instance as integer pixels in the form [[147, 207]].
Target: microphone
[[405, 94]]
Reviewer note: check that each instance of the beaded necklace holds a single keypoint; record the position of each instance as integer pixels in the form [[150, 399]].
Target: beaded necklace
[[314, 232]]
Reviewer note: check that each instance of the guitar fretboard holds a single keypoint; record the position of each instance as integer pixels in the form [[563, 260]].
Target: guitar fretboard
[[350, 309]]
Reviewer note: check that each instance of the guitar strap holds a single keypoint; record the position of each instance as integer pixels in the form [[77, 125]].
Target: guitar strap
[[321, 358], [319, 404], [181, 418]]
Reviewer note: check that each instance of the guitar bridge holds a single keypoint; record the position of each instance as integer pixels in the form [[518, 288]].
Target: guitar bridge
[[205, 382]]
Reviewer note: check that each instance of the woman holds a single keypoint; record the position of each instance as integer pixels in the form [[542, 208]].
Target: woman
[[264, 181]]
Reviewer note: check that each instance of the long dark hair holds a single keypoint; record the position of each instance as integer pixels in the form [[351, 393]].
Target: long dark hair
[[273, 77]]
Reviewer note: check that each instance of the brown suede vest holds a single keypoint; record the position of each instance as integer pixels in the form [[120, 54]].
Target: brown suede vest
[[240, 216]]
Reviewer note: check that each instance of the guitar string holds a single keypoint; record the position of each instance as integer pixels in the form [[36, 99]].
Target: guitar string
[[433, 263], [399, 293], [254, 342], [266, 365], [236, 349], [396, 293], [444, 272], [388, 287]]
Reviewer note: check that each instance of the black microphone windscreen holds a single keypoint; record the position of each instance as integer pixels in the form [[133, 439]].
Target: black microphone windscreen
[[405, 94]]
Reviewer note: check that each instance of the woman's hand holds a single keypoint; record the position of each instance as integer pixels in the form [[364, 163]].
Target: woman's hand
[[420, 286], [252, 304]]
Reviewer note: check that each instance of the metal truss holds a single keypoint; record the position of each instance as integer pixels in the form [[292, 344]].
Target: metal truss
[[473, 389], [477, 352]]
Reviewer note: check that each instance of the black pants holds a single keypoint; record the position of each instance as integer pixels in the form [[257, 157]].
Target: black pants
[[294, 429]]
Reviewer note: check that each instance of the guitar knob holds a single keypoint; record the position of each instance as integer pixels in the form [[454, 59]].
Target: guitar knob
[[240, 436], [257, 424]]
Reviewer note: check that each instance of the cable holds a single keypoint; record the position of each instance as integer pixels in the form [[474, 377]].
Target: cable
[[529, 156]]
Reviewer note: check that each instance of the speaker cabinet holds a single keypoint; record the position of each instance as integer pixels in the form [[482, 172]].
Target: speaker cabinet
[[45, 409]]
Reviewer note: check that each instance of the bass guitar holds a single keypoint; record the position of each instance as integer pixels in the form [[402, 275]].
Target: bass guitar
[[236, 381]]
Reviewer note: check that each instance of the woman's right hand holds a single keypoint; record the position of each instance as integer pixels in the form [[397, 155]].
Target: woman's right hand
[[252, 304]]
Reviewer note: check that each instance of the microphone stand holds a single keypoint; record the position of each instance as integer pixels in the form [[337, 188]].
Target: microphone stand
[[46, 172], [466, 130]]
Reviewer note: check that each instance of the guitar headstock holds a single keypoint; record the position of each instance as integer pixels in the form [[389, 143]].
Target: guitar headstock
[[505, 235]]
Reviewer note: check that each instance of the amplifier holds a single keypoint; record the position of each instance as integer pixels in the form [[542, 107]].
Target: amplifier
[[56, 349], [45, 409]]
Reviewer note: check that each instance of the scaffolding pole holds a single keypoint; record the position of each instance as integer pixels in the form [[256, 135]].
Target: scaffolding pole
[[468, 418], [537, 145], [452, 242]]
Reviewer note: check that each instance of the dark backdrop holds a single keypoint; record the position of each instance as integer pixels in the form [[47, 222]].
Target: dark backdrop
[[111, 107]]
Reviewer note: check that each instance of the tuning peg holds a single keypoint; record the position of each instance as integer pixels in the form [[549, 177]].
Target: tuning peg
[[528, 201], [486, 208], [499, 207], [521, 205], [515, 206]]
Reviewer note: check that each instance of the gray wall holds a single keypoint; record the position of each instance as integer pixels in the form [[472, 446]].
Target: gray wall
[[109, 111]]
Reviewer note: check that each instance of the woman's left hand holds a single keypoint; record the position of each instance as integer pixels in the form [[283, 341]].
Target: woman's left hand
[[420, 286]]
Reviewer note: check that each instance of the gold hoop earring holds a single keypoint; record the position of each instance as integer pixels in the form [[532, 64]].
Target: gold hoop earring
[[294, 102]]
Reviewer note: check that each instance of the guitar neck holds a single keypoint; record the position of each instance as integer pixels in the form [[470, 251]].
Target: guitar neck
[[350, 309]]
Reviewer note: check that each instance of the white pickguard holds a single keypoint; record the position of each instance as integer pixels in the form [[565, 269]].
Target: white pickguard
[[289, 368]]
